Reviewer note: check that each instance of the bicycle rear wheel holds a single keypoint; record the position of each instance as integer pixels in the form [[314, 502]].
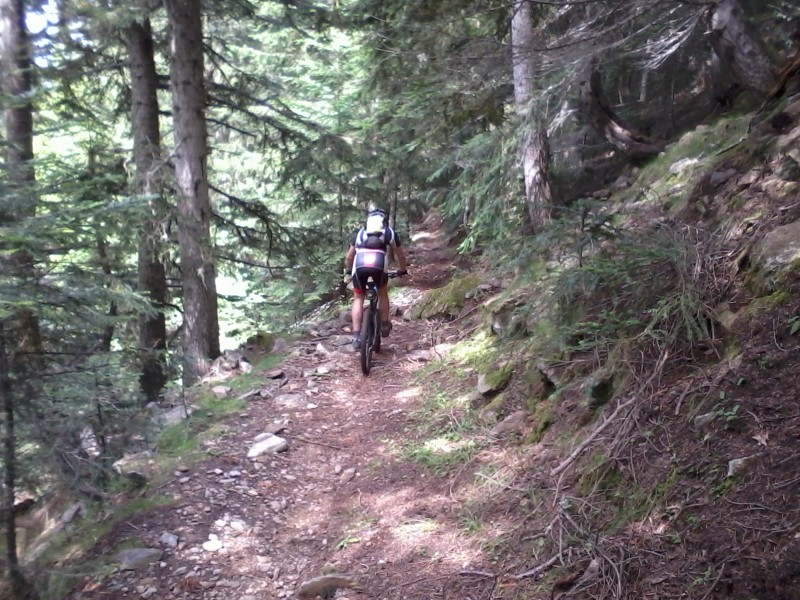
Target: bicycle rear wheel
[[367, 340], [376, 329]]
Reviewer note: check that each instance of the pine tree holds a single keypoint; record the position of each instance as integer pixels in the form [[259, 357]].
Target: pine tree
[[198, 271]]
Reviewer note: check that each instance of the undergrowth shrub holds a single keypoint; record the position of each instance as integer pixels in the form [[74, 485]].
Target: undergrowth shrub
[[652, 291]]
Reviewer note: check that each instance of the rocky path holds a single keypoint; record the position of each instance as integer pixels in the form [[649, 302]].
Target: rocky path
[[341, 498]]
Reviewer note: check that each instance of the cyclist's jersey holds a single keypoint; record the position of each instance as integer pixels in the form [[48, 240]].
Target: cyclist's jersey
[[372, 255]]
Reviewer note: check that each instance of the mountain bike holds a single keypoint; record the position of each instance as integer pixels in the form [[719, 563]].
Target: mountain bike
[[371, 324]]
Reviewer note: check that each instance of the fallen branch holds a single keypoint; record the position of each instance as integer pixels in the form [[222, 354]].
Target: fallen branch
[[731, 147], [586, 442], [477, 574], [469, 312], [540, 569], [611, 418]]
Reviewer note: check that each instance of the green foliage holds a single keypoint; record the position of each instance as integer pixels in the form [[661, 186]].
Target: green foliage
[[183, 439], [254, 378], [441, 454], [654, 289], [485, 193], [632, 500]]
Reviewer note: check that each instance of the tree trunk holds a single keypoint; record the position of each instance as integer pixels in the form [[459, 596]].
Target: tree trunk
[[15, 86], [536, 155], [9, 473], [201, 328], [618, 133], [534, 150], [737, 47], [146, 154]]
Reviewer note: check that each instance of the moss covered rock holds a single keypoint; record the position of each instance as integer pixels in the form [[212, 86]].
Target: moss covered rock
[[446, 302], [776, 260], [542, 417], [539, 387], [494, 381], [262, 341], [490, 414]]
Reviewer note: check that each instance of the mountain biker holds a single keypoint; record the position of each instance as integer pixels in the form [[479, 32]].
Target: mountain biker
[[366, 258]]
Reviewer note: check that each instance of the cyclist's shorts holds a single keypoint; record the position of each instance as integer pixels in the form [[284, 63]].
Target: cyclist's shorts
[[374, 259], [362, 276]]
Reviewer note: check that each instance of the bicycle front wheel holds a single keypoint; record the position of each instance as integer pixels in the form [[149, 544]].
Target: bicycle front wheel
[[367, 340]]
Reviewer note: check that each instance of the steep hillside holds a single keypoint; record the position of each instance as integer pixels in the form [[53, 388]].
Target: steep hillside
[[617, 420]]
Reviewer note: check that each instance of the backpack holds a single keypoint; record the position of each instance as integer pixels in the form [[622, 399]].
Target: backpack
[[373, 234]]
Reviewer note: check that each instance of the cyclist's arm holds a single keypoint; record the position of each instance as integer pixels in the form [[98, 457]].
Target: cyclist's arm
[[400, 255], [348, 259]]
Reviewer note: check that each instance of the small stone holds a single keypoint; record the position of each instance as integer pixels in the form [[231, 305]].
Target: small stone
[[738, 465], [700, 421], [717, 178], [347, 475], [221, 391], [212, 545], [291, 401], [136, 558], [269, 445], [150, 592], [169, 539], [275, 428]]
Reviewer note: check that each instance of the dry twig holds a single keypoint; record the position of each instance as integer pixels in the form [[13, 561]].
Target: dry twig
[[485, 574], [611, 418], [540, 569], [716, 581]]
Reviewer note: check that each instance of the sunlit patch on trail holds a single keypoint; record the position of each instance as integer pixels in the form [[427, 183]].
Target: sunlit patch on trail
[[408, 394], [423, 236], [416, 531]]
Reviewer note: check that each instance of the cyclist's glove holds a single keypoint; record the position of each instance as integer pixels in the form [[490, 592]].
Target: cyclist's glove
[[402, 272]]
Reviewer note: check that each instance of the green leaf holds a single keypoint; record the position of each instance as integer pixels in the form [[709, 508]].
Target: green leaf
[[795, 322]]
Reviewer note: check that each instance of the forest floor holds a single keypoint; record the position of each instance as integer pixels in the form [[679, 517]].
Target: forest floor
[[350, 494], [389, 479]]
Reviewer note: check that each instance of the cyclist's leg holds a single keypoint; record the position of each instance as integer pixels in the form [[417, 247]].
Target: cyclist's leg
[[357, 309], [383, 306]]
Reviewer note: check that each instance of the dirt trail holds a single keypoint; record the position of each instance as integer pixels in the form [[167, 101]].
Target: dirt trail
[[341, 496]]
